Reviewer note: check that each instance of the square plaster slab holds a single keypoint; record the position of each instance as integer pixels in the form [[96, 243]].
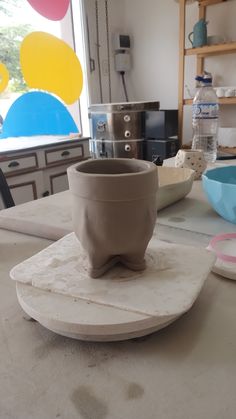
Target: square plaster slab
[[121, 303]]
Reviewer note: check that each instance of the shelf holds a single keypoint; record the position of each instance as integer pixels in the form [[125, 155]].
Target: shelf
[[200, 54], [231, 150], [205, 3], [222, 101], [207, 50]]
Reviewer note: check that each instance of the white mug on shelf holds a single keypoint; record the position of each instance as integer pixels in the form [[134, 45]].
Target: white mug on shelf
[[220, 92], [230, 92], [215, 39]]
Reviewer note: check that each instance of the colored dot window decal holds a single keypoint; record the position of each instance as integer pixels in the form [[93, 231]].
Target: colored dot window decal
[[4, 77], [51, 9], [50, 64], [37, 113]]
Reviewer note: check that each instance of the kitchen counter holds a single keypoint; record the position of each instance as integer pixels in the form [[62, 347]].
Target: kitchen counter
[[186, 370]]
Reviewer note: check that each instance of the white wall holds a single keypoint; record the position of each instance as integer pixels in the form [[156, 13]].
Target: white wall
[[153, 25], [115, 17], [154, 29]]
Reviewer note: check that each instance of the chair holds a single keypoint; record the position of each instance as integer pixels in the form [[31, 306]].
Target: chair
[[5, 192]]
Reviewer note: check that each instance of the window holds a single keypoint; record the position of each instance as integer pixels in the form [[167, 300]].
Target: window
[[17, 19]]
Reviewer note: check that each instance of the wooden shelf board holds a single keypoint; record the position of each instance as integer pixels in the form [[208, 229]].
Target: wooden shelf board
[[227, 101], [209, 2], [222, 101], [207, 50], [188, 101], [231, 150]]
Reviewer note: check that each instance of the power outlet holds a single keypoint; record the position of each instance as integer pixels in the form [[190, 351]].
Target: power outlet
[[122, 62]]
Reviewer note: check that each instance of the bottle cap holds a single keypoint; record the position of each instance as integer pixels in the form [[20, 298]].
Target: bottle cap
[[199, 78], [207, 79]]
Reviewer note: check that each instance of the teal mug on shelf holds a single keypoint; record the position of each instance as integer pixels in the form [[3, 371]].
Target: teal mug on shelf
[[199, 34]]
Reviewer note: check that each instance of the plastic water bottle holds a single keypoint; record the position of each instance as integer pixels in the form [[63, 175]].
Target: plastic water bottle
[[205, 118]]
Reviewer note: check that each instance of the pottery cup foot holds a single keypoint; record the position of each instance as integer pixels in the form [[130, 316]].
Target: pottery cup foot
[[96, 272]]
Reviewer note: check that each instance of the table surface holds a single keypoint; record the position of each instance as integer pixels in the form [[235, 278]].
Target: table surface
[[187, 370]]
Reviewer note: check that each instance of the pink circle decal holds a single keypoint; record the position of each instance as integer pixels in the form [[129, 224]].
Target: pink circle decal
[[51, 9]]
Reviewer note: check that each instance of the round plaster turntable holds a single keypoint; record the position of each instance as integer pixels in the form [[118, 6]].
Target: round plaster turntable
[[54, 288]]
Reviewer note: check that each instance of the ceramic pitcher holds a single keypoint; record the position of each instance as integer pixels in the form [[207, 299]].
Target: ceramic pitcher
[[114, 210], [199, 34]]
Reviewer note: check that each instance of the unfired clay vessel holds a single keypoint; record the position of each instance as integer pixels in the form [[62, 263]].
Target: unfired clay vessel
[[114, 210]]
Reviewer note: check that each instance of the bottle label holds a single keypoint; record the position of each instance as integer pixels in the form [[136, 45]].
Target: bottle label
[[205, 110]]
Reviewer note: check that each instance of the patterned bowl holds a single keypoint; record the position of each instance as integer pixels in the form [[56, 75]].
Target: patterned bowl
[[219, 185]]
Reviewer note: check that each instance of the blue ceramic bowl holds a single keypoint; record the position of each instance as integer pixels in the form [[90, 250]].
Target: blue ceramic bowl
[[219, 185]]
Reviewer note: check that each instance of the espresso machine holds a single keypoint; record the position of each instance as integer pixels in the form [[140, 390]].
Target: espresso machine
[[129, 130]]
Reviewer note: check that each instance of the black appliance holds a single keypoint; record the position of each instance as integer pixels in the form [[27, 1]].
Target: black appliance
[[161, 134], [133, 130]]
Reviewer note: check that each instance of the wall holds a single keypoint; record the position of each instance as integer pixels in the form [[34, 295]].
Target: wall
[[154, 29], [115, 18], [154, 26]]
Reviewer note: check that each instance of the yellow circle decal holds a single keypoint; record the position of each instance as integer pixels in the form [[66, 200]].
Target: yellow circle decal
[[4, 77], [50, 64]]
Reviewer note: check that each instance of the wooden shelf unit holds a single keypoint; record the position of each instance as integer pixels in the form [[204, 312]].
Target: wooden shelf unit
[[209, 2], [222, 101], [200, 53], [208, 50]]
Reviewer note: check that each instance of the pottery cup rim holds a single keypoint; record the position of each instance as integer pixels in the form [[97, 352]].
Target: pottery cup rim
[[139, 183], [114, 167]]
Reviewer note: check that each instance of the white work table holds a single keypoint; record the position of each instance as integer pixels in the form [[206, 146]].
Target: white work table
[[186, 370]]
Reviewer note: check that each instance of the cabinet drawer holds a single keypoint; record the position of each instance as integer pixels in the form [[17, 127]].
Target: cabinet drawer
[[19, 164], [61, 155]]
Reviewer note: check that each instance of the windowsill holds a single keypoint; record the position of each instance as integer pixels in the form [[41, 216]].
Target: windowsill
[[26, 143]]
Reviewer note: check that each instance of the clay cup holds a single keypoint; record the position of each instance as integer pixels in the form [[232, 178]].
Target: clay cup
[[113, 210]]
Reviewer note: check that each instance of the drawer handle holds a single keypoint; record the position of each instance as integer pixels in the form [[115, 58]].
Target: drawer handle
[[46, 193], [65, 153], [14, 164]]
